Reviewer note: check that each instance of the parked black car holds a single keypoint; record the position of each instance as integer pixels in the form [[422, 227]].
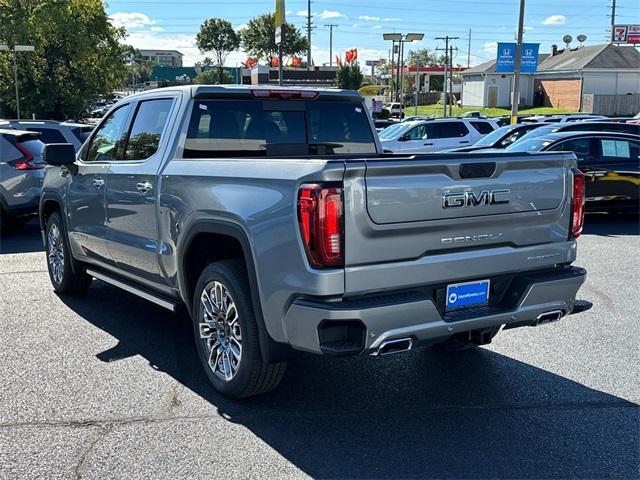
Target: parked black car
[[610, 162], [584, 126], [501, 137]]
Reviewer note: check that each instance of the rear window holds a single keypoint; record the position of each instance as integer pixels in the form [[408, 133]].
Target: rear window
[[482, 127], [254, 128], [48, 135]]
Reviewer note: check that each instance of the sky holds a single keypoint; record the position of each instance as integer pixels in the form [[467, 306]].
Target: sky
[[166, 24]]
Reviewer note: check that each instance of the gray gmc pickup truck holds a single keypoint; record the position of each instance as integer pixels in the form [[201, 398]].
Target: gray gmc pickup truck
[[273, 217]]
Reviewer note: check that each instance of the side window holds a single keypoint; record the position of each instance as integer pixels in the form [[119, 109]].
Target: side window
[[615, 150], [416, 133], [108, 142], [580, 146], [148, 124], [482, 127], [431, 131], [49, 135], [452, 129]]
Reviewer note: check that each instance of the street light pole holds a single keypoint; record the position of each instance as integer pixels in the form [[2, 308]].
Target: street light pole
[[15, 50], [515, 99]]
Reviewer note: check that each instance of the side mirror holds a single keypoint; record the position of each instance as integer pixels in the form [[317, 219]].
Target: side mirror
[[404, 138], [59, 154]]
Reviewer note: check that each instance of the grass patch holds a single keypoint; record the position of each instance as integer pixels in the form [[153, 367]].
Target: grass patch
[[436, 111]]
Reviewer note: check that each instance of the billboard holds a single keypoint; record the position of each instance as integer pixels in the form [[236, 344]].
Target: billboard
[[626, 34], [507, 57]]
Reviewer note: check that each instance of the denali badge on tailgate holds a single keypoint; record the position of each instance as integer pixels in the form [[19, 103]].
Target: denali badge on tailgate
[[471, 199]]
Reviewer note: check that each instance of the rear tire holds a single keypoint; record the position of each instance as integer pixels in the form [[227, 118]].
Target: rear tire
[[226, 333], [67, 275]]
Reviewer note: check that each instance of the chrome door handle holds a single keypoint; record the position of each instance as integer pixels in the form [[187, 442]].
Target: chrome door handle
[[144, 187], [98, 182]]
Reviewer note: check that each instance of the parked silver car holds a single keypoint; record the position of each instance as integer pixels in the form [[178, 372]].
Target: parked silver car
[[21, 173], [52, 131]]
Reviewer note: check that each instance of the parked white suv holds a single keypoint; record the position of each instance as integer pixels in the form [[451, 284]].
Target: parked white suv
[[435, 135]]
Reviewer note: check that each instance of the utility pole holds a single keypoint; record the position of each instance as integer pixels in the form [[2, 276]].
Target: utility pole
[[451, 81], [515, 99], [309, 34], [446, 39], [330, 25], [613, 20], [469, 50], [399, 46]]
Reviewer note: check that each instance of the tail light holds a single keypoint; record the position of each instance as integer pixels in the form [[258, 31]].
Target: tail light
[[321, 226], [577, 210], [26, 161], [283, 94]]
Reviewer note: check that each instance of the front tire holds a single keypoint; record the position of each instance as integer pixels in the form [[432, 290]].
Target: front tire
[[66, 274], [226, 333]]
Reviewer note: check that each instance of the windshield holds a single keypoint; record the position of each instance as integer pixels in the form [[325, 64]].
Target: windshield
[[393, 131], [531, 145], [254, 128], [493, 137], [537, 132]]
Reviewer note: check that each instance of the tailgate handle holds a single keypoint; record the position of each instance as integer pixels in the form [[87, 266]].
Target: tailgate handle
[[477, 170]]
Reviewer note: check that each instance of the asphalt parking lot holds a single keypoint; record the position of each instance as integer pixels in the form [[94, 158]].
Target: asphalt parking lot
[[109, 386]]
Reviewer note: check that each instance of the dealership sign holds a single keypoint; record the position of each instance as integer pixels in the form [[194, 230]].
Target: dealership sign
[[507, 57], [626, 34]]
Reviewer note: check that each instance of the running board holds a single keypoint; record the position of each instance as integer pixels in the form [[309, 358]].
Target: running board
[[169, 305]]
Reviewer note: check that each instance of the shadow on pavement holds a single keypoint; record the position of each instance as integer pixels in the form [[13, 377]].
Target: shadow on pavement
[[611, 225], [21, 238], [476, 415]]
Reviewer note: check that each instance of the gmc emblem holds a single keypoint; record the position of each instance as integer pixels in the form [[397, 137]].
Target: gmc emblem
[[471, 199]]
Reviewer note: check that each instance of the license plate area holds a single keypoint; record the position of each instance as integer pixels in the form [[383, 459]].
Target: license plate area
[[467, 295]]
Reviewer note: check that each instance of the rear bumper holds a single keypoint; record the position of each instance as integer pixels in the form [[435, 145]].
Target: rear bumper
[[420, 316]]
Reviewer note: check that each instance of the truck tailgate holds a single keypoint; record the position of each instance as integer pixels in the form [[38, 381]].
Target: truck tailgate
[[454, 207]]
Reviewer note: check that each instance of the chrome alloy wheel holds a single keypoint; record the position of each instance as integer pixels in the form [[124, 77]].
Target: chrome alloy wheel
[[220, 330], [55, 254]]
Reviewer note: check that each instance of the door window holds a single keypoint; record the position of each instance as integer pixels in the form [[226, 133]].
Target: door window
[[482, 127], [580, 146], [416, 133], [148, 124], [108, 142], [452, 130]]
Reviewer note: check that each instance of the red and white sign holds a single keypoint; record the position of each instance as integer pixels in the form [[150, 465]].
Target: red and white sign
[[633, 34], [620, 34]]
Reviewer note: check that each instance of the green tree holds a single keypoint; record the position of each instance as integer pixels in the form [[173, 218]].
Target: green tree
[[258, 38], [349, 76], [212, 77], [424, 57], [218, 36], [78, 56]]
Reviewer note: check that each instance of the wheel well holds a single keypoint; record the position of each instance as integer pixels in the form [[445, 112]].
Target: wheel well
[[49, 207], [204, 249]]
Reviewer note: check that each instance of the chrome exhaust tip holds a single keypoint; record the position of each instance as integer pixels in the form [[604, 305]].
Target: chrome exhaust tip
[[548, 317], [394, 346]]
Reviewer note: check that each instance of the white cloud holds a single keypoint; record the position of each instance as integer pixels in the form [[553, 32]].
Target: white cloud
[[131, 20], [301, 13], [377, 26], [527, 28], [325, 14], [368, 18], [157, 29], [391, 19], [490, 47], [555, 20]]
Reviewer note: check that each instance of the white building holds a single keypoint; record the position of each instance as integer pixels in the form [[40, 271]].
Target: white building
[[163, 58], [482, 86]]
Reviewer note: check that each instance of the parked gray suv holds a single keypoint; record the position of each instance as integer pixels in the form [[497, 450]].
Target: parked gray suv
[[273, 217], [21, 174]]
